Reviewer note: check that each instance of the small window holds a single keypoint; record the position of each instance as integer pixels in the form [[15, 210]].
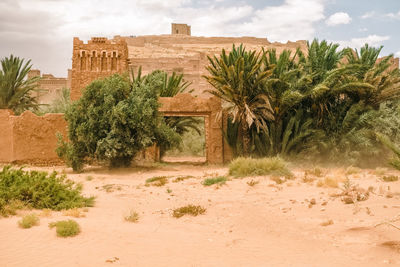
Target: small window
[[177, 31]]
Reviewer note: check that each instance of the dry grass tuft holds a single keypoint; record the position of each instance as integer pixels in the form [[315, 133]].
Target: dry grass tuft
[[182, 178], [157, 181], [352, 194], [132, 217], [188, 210], [253, 182], [390, 178], [217, 180], [317, 172], [109, 188], [11, 207], [89, 178], [242, 167], [46, 213], [75, 212], [327, 222], [278, 180], [28, 221], [380, 171], [352, 170]]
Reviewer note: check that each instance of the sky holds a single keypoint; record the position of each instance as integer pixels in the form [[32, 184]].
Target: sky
[[43, 30]]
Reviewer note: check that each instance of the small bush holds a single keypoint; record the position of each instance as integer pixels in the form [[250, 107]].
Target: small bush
[[329, 182], [188, 210], [75, 212], [314, 172], [182, 178], [390, 178], [217, 180], [40, 189], [66, 228], [28, 221], [157, 181], [242, 167], [352, 170], [132, 217], [278, 180], [253, 182], [10, 207]]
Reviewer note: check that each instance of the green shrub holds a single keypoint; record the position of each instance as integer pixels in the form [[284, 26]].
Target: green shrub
[[66, 228], [40, 189], [242, 167], [157, 181], [28, 221], [188, 210], [112, 121], [216, 180]]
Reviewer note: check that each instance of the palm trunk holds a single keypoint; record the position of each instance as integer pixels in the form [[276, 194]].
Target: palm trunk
[[246, 138]]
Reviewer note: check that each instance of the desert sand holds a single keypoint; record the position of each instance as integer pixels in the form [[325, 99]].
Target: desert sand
[[267, 224]]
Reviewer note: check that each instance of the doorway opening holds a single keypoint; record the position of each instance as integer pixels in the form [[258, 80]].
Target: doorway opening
[[192, 148]]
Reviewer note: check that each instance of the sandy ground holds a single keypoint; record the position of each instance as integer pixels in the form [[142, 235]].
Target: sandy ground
[[261, 225]]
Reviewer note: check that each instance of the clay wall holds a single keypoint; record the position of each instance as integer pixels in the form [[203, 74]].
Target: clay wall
[[30, 138], [50, 86], [180, 29], [210, 109], [98, 58]]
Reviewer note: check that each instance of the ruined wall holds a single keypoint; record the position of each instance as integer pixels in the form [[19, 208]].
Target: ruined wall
[[180, 29], [98, 58], [209, 108], [30, 138], [50, 86]]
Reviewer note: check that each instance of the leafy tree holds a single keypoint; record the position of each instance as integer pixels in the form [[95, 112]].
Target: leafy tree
[[112, 121], [16, 91], [237, 79]]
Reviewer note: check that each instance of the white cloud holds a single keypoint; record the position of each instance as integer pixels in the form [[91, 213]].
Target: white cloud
[[393, 15], [338, 18], [367, 15], [397, 54], [372, 40]]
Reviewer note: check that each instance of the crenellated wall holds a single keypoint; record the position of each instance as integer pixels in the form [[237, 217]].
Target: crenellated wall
[[98, 58]]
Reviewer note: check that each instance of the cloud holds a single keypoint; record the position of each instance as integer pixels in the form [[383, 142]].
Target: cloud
[[368, 14], [397, 54], [338, 18], [43, 29], [372, 40], [362, 29], [393, 15]]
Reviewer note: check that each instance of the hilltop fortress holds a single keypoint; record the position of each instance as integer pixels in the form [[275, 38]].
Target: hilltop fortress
[[176, 52]]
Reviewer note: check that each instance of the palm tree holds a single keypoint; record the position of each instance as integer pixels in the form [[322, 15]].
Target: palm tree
[[237, 79], [16, 91]]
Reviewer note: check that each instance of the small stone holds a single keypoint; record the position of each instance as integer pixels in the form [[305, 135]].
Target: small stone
[[324, 203], [313, 201]]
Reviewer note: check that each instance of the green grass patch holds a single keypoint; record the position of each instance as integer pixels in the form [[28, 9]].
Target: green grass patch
[[216, 180], [28, 221], [188, 210], [390, 178], [157, 181], [66, 228], [242, 167], [40, 189]]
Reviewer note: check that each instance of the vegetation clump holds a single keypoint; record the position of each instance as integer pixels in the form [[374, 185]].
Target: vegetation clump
[[253, 182], [28, 221], [66, 228], [157, 181], [182, 178], [215, 180], [242, 167], [390, 178], [40, 190], [132, 217], [188, 210]]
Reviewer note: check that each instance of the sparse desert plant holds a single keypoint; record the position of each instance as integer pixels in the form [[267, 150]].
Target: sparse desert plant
[[132, 217], [89, 178], [28, 221], [253, 182], [390, 178], [10, 207], [46, 213], [351, 193], [111, 187], [242, 167], [308, 178], [169, 191], [157, 181], [75, 212], [314, 172], [66, 228], [327, 222], [217, 180], [188, 210], [278, 179], [40, 189], [182, 178]]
